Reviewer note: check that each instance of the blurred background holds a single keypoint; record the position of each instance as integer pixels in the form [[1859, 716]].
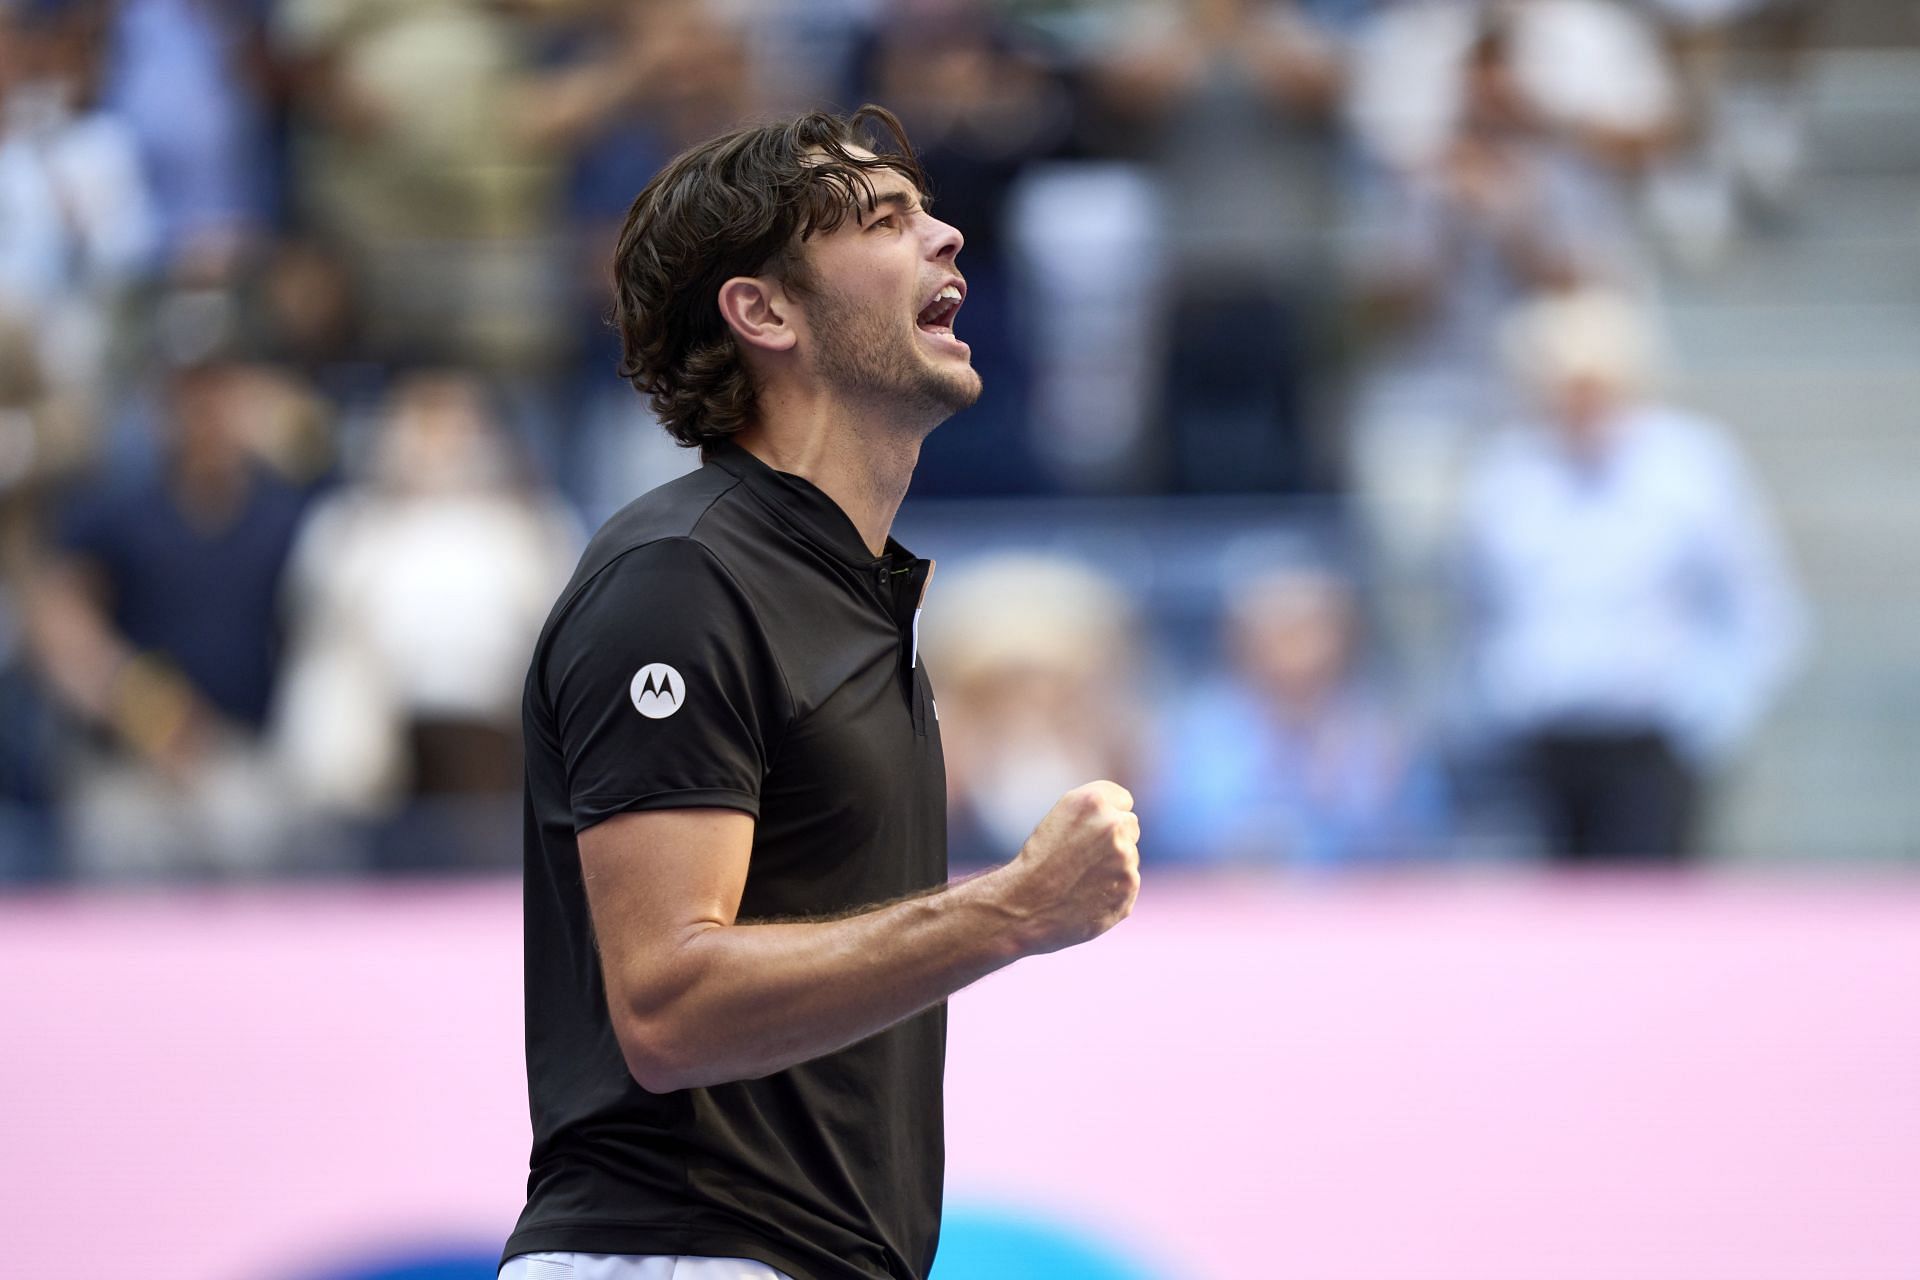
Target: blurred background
[[1427, 445]]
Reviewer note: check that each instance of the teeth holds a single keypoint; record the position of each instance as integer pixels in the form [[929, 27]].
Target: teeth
[[939, 313]]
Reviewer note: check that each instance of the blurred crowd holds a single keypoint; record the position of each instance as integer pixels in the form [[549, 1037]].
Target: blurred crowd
[[307, 401]]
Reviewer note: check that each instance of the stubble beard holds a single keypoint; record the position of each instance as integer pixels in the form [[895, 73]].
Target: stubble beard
[[872, 356]]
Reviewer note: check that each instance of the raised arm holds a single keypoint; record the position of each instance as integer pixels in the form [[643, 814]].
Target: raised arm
[[698, 999]]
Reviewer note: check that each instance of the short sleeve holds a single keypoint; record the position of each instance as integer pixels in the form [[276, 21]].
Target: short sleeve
[[664, 690]]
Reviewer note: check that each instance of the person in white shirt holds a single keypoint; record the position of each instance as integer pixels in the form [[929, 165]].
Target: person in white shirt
[[413, 596], [1630, 613]]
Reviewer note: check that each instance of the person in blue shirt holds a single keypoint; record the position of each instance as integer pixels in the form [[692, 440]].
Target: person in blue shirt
[[154, 618], [1297, 757], [1627, 605]]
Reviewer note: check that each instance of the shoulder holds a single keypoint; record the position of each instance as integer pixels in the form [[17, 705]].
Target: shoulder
[[657, 534], [682, 510], [672, 582], [1688, 450], [665, 604], [664, 609], [656, 570], [1682, 432], [109, 513]]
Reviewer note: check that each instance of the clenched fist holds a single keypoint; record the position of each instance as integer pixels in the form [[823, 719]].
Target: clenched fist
[[1079, 872]]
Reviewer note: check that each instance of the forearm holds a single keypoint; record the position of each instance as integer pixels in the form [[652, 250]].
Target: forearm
[[745, 1000], [101, 677], [78, 651]]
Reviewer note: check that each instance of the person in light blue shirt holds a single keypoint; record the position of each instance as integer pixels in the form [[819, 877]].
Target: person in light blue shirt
[[175, 76], [1296, 757], [1630, 615]]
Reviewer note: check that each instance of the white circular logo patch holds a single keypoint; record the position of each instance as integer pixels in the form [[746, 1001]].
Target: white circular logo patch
[[657, 691]]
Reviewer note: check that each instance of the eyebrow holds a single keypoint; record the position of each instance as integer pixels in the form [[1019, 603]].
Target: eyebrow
[[902, 199]]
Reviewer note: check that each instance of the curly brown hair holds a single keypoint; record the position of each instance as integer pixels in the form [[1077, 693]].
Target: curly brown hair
[[738, 205]]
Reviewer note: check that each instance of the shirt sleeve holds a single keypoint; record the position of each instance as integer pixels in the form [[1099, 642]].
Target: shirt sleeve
[[664, 689], [1754, 623]]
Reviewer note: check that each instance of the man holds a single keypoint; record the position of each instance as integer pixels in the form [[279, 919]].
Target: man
[[738, 931], [1631, 611], [154, 620]]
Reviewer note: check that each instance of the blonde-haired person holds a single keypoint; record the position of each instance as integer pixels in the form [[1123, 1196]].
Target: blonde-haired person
[[1038, 688], [1630, 612]]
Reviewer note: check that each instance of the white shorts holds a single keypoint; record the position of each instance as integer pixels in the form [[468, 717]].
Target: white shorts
[[633, 1266]]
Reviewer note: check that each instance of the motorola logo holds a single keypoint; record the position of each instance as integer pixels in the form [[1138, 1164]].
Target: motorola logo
[[657, 691]]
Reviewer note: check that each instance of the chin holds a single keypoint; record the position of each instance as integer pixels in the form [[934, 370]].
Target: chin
[[954, 389], [950, 380]]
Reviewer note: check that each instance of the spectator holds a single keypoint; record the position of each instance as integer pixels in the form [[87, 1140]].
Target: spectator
[[177, 76], [980, 106], [1630, 616], [414, 600], [79, 227], [1597, 74], [154, 620], [43, 435], [1481, 191], [411, 153], [802, 53], [303, 308], [1234, 103], [1296, 757], [1033, 658], [1590, 72], [618, 90], [1742, 66]]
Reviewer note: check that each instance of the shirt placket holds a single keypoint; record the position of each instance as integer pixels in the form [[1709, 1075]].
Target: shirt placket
[[907, 593]]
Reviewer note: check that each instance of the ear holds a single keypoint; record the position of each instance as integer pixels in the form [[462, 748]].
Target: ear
[[759, 312]]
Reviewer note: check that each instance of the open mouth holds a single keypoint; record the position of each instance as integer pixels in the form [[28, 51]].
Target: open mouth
[[937, 316]]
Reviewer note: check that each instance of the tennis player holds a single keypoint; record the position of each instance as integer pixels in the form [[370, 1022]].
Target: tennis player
[[739, 930]]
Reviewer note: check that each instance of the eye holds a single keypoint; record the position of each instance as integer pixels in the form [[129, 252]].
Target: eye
[[885, 220]]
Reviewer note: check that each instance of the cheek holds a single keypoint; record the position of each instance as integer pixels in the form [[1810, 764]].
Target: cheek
[[860, 301]]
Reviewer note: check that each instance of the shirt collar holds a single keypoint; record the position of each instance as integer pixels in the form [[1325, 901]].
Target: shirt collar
[[804, 505]]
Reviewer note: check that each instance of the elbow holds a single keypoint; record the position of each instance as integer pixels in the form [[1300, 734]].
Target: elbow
[[656, 1021], [653, 1054], [658, 1077]]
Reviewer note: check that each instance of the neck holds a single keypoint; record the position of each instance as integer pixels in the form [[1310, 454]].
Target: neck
[[862, 460], [209, 494]]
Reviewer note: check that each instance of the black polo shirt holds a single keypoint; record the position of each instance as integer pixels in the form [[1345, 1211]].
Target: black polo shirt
[[729, 641]]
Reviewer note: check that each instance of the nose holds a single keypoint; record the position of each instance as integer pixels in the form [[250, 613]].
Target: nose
[[943, 240]]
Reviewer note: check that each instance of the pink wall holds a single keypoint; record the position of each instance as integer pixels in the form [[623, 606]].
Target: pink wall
[[1394, 1082]]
